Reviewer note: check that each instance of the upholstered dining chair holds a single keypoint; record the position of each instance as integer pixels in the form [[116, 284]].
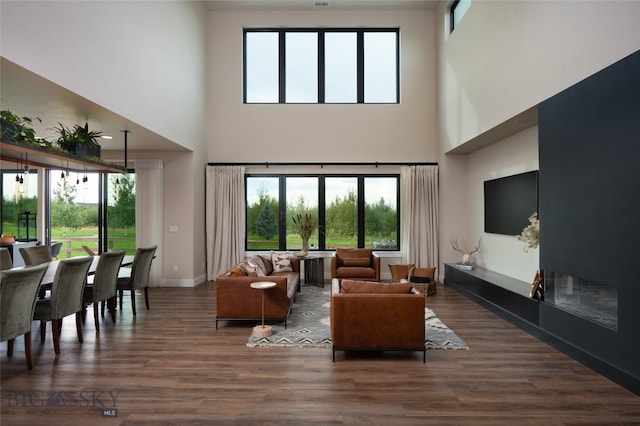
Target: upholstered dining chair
[[55, 249], [137, 277], [18, 293], [35, 255], [67, 293], [5, 259], [101, 286]]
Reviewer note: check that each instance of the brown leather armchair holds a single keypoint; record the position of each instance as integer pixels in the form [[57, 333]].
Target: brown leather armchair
[[376, 316], [355, 264]]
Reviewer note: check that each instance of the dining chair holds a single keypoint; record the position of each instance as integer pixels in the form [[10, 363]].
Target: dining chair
[[35, 255], [55, 249], [137, 277], [5, 259], [18, 293], [101, 286], [88, 250], [67, 293]]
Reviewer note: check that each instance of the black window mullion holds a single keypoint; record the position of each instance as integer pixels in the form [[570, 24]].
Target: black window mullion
[[398, 67], [282, 78], [282, 216], [321, 77], [360, 201], [321, 213], [360, 65]]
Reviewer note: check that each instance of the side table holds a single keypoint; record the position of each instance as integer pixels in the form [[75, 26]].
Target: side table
[[261, 331], [313, 270]]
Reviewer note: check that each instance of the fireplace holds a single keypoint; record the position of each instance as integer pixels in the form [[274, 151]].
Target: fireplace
[[591, 300]]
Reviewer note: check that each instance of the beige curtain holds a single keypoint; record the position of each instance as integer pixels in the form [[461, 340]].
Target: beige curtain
[[419, 221], [149, 212], [225, 217]]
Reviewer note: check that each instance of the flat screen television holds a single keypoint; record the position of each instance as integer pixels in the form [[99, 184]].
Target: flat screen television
[[508, 203]]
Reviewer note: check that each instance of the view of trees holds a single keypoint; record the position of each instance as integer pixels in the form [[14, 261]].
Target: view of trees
[[122, 214], [340, 220], [11, 210]]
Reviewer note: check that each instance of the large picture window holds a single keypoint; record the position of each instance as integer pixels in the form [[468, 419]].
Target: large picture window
[[350, 211], [321, 65]]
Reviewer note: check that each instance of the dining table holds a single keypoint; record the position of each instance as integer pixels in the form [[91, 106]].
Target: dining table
[[52, 266]]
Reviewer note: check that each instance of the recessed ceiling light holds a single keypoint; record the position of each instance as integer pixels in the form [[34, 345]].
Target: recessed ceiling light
[[106, 137]]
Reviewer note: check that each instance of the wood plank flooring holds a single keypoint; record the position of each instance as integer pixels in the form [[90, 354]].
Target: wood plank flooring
[[170, 366]]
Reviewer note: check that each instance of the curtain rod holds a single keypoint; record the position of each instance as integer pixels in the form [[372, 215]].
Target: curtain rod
[[376, 164]]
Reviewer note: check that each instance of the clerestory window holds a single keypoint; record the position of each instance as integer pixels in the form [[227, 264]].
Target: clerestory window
[[322, 65]]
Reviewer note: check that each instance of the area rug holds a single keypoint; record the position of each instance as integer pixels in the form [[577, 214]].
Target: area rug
[[308, 325]]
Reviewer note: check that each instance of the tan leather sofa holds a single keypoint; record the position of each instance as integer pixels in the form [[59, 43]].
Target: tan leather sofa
[[355, 264], [236, 300], [368, 316]]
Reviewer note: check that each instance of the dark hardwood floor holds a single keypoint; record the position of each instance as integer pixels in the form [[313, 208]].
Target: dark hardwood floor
[[170, 366]]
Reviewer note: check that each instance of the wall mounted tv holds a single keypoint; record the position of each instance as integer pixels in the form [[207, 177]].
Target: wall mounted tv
[[509, 201]]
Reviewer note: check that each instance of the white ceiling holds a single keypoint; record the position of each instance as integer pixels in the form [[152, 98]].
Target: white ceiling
[[26, 93]]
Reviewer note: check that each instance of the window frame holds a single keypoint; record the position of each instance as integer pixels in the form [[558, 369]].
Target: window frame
[[452, 15], [322, 205], [321, 62]]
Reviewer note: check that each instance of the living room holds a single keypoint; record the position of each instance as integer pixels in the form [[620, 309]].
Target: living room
[[465, 103]]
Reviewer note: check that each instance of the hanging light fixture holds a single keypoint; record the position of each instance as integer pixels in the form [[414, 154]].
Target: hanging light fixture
[[21, 180], [17, 191], [85, 179], [26, 174]]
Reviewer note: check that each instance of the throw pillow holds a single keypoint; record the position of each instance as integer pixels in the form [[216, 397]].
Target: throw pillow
[[281, 261], [256, 267], [345, 253], [257, 260], [364, 262], [249, 270], [237, 271], [349, 286], [267, 264]]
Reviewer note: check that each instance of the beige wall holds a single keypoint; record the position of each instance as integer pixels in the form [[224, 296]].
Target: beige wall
[[504, 58], [308, 133]]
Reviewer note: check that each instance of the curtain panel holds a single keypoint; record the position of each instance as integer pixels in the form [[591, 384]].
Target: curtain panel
[[419, 220], [225, 218], [149, 212]]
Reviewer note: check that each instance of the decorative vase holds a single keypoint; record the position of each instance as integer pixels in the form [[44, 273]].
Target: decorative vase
[[305, 246]]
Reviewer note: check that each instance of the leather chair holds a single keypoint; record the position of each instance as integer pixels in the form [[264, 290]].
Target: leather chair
[[35, 255], [375, 316], [355, 264], [137, 277], [67, 293], [5, 259], [18, 293], [101, 287]]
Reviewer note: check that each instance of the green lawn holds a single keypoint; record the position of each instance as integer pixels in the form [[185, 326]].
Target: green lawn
[[73, 240]]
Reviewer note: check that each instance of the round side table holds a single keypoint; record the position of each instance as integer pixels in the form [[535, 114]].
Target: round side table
[[261, 331]]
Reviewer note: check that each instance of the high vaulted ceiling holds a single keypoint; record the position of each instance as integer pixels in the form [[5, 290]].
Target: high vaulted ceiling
[[26, 93]]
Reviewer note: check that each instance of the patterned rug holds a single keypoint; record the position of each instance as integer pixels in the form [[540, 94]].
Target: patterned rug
[[308, 325]]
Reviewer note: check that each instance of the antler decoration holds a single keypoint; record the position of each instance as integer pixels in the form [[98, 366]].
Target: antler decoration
[[466, 256]]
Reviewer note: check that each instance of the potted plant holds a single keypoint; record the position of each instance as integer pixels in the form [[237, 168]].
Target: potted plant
[[79, 140], [16, 129], [304, 224]]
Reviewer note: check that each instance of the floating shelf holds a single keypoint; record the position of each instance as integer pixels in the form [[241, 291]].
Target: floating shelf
[[41, 157]]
